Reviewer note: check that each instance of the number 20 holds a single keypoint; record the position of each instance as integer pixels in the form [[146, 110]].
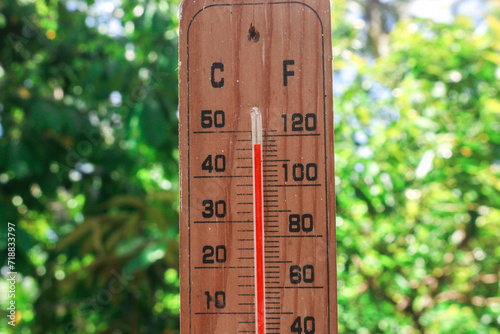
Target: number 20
[[219, 251]]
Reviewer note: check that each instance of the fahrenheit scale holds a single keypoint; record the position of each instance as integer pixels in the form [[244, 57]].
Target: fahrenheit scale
[[257, 223]]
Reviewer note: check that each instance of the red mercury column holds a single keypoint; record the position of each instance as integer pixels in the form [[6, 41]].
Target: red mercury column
[[260, 316]]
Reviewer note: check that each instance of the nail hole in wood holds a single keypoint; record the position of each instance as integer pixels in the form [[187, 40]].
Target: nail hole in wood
[[253, 35]]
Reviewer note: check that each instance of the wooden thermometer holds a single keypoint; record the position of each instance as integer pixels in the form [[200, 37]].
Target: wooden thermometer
[[257, 224]]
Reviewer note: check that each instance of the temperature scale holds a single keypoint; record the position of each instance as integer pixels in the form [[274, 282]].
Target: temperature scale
[[257, 226]]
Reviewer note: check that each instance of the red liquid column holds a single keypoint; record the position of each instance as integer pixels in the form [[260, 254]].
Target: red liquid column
[[258, 222]]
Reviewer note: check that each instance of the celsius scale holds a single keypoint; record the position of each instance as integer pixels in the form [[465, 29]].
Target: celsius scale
[[257, 225]]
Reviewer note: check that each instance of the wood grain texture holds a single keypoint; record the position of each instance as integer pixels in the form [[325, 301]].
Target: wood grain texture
[[259, 44]]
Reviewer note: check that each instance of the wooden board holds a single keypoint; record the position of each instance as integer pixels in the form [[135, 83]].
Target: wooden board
[[275, 56]]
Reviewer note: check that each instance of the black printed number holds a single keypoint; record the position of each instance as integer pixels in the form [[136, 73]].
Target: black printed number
[[299, 122], [217, 119], [299, 223], [218, 208], [219, 299], [299, 172], [218, 163], [219, 252], [306, 327], [304, 274]]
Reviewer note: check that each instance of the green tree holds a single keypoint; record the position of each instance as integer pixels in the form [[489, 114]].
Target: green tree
[[418, 191], [88, 163]]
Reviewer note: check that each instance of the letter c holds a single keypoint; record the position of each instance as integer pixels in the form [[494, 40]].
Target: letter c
[[220, 83]]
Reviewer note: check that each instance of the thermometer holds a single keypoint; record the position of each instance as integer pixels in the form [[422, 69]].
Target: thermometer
[[257, 223]]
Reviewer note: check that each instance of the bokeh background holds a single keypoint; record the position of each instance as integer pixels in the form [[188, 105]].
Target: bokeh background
[[89, 165]]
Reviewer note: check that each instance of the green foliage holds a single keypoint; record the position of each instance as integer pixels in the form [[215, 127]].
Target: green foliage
[[89, 171], [91, 181], [418, 183]]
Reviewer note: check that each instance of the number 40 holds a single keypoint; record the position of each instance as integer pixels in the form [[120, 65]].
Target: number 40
[[306, 327]]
